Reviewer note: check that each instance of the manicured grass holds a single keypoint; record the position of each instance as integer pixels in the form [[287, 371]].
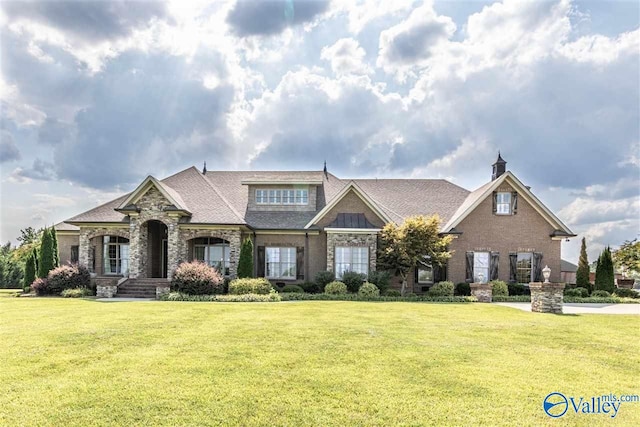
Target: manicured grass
[[321, 363]]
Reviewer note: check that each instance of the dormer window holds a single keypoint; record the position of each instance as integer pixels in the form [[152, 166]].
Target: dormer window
[[282, 197], [503, 203]]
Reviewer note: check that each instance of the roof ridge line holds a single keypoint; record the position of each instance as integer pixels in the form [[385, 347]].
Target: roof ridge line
[[213, 187]]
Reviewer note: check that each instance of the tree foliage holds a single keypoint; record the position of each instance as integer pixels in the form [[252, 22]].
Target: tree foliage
[[628, 256], [582, 274], [29, 235], [46, 261], [10, 268], [604, 272], [245, 263], [56, 254], [29, 271], [403, 247]]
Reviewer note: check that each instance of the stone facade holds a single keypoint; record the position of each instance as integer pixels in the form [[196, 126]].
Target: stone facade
[[231, 236], [547, 297], [88, 233], [161, 290], [482, 291], [106, 291], [369, 240]]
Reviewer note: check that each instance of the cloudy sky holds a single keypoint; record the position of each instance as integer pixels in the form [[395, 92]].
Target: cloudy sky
[[95, 95]]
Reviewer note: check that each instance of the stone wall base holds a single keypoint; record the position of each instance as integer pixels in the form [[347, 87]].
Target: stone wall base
[[546, 297], [161, 290], [106, 291], [482, 291]]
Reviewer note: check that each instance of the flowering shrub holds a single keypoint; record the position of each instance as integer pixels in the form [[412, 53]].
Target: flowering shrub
[[197, 278], [69, 276], [368, 290], [40, 286], [335, 288], [258, 285]]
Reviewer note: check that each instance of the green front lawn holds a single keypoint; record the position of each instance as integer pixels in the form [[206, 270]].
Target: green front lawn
[[82, 362]]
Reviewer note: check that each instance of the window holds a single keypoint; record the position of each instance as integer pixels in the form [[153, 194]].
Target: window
[[74, 254], [503, 203], [351, 259], [425, 273], [282, 197], [523, 267], [280, 263], [116, 255], [213, 251], [481, 267]]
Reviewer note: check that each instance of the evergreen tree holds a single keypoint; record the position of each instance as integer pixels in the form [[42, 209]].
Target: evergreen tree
[[56, 255], [29, 271], [46, 261], [245, 263], [582, 274], [604, 272], [36, 259]]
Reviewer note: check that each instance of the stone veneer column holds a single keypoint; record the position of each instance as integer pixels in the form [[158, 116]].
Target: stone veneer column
[[482, 291], [173, 250], [369, 240], [134, 247], [83, 249], [546, 297]]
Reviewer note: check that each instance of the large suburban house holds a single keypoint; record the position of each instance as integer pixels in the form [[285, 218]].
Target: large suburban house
[[305, 222]]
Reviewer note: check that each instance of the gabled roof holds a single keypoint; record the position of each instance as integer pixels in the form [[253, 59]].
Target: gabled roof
[[567, 266], [169, 193], [351, 220], [476, 197], [350, 187]]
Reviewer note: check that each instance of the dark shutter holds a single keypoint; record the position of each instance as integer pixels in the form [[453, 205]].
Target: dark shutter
[[469, 275], [514, 203], [74, 254], [495, 202], [439, 273], [536, 269], [513, 266], [260, 266], [493, 273], [415, 276], [300, 263]]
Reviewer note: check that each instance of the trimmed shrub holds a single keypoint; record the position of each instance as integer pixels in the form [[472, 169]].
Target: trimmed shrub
[[29, 272], [356, 297], [517, 289], [498, 287], [353, 280], [245, 263], [292, 289], [335, 288], [310, 287], [323, 278], [392, 293], [600, 294], [259, 285], [272, 296], [462, 289], [573, 292], [381, 279], [46, 262], [197, 278], [441, 289], [368, 290], [604, 272], [584, 292], [40, 286], [76, 293], [68, 277], [511, 298], [626, 293]]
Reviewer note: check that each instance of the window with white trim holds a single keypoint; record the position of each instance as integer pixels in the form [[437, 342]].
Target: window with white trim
[[282, 197], [481, 267], [280, 263], [214, 252], [351, 258], [503, 203], [116, 255]]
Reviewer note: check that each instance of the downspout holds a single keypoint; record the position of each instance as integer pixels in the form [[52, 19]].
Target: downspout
[[306, 258]]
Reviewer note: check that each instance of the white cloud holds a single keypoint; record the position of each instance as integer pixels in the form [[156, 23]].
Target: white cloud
[[585, 210], [346, 57]]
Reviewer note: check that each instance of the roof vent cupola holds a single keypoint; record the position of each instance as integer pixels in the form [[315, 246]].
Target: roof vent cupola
[[499, 168], [204, 168]]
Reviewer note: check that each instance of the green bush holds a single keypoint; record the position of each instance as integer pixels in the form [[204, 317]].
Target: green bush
[[323, 278], [381, 279], [462, 289], [441, 289], [356, 297], [68, 277], [259, 285], [76, 293], [40, 287], [310, 287], [392, 293], [368, 290], [498, 287], [197, 278], [353, 280], [272, 296], [511, 298], [600, 294], [573, 292], [292, 289], [517, 289], [626, 293], [335, 288], [245, 262], [602, 300]]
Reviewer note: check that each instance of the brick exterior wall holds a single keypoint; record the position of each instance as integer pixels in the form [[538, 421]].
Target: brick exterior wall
[[65, 242], [310, 207], [526, 231]]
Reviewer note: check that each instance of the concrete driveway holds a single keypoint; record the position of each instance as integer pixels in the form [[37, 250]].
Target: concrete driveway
[[570, 308]]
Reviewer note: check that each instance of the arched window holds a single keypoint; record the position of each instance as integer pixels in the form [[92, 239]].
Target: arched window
[[116, 255], [213, 251]]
